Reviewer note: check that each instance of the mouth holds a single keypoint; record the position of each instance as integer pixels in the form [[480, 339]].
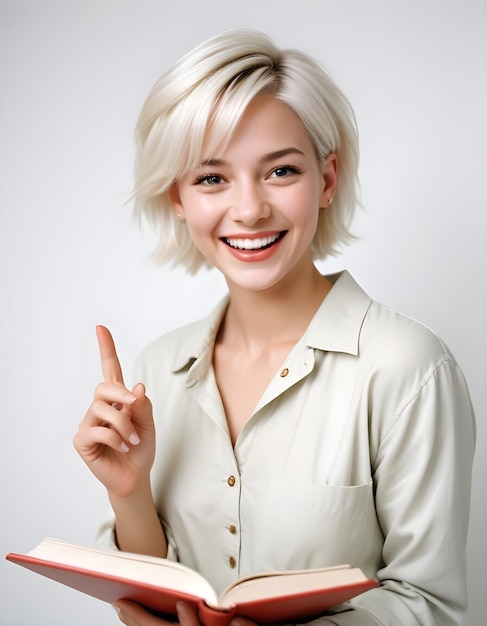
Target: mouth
[[255, 243]]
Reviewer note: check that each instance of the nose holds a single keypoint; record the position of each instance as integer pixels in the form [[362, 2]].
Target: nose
[[250, 204]]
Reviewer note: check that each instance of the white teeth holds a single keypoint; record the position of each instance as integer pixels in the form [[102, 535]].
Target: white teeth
[[252, 244]]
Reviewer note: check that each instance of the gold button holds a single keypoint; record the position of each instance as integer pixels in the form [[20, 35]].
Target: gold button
[[284, 372], [231, 480], [232, 562], [232, 529]]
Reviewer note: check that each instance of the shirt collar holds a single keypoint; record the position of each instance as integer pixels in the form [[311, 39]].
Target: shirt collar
[[198, 339], [337, 323], [335, 327]]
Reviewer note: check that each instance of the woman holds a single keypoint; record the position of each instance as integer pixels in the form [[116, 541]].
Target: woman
[[301, 424]]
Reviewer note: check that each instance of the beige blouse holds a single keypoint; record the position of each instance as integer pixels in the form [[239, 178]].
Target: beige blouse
[[359, 451]]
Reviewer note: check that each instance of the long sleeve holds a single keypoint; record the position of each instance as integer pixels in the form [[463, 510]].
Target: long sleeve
[[354, 617], [422, 476]]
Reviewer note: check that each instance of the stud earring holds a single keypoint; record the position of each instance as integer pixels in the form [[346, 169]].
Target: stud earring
[[330, 201], [180, 217]]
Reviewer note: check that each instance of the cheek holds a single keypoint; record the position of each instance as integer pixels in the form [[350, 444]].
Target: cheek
[[202, 221], [303, 206], [199, 211]]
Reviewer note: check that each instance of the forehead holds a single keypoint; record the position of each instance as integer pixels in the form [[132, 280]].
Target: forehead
[[266, 124]]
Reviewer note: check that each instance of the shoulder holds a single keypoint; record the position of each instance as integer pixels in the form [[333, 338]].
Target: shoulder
[[351, 321], [392, 339], [410, 375], [402, 357]]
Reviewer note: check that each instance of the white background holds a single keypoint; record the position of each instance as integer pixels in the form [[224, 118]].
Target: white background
[[73, 75]]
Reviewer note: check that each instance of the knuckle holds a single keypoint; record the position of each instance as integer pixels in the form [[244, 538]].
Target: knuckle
[[100, 390], [96, 407]]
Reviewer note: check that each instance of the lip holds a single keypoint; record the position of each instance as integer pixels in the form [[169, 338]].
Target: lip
[[240, 245]]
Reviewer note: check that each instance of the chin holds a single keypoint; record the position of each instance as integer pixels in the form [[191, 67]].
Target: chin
[[254, 282]]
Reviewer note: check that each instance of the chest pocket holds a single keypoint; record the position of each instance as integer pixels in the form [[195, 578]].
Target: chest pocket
[[308, 525]]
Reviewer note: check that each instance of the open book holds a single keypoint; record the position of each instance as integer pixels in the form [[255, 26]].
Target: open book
[[159, 583]]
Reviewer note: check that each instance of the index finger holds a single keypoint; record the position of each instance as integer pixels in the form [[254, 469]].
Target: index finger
[[110, 365]]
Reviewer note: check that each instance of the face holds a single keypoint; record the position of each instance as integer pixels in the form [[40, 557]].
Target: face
[[252, 210]]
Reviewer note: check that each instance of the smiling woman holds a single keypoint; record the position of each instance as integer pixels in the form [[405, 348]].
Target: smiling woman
[[301, 424]]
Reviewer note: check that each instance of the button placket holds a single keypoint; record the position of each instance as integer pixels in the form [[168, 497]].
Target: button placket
[[233, 542]]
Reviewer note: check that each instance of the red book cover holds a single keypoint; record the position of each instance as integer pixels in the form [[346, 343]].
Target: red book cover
[[287, 601]]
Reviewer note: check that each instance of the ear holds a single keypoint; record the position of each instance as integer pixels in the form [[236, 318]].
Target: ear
[[330, 179], [176, 203]]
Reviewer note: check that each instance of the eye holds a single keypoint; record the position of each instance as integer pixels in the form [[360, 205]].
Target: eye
[[209, 180], [284, 170]]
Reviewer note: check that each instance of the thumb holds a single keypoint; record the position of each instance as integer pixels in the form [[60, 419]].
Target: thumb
[[142, 407], [139, 391]]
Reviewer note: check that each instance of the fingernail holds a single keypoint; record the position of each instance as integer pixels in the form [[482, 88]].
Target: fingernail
[[129, 398], [124, 447], [134, 439], [117, 609]]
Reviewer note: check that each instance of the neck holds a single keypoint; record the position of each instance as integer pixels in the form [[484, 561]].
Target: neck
[[256, 320]]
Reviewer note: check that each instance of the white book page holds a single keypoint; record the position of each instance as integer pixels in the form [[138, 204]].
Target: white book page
[[277, 584], [140, 567]]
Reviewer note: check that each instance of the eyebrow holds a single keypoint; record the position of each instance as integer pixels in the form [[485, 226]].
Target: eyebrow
[[271, 156]]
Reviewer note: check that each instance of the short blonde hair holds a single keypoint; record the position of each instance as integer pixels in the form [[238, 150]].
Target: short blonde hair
[[215, 83]]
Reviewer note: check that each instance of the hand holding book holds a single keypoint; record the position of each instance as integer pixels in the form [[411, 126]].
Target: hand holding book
[[132, 613]]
